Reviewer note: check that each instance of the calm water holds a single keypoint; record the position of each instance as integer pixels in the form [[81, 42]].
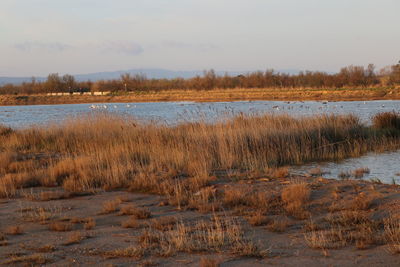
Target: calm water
[[175, 112], [385, 167], [382, 166]]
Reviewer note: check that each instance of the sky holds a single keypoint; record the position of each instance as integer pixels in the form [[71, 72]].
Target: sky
[[38, 37]]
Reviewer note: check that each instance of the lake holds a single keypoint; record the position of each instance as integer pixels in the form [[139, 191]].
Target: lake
[[384, 166], [175, 112]]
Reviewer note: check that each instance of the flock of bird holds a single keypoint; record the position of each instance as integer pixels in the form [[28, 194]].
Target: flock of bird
[[106, 107], [102, 106]]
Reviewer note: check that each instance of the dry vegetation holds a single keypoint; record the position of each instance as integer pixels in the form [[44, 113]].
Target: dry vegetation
[[110, 153], [231, 174]]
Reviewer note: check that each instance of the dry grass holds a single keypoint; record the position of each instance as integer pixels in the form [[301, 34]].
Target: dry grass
[[129, 252], [75, 238], [235, 196], [14, 230], [326, 239], [44, 249], [40, 214], [296, 197], [89, 223], [108, 152], [138, 213], [387, 120], [360, 172], [110, 206], [60, 226], [3, 240], [392, 234], [257, 219], [362, 201], [218, 235], [28, 260], [165, 223], [132, 222], [207, 262], [278, 225]]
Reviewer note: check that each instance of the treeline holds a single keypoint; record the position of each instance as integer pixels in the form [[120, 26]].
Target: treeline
[[351, 76]]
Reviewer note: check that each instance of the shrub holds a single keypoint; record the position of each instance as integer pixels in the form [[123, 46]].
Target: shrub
[[387, 120]]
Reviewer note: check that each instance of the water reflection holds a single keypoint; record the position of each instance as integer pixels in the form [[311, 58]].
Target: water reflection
[[383, 166]]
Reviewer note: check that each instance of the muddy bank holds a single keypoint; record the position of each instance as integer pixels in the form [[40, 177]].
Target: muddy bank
[[344, 222], [213, 95]]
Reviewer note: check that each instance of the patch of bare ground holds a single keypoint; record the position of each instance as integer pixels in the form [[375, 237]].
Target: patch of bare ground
[[260, 226]]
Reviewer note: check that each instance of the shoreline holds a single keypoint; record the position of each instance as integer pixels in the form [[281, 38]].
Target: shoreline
[[217, 95]]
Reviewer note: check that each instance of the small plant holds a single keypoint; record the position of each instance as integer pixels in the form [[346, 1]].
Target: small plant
[[142, 213], [89, 224], [360, 172], [3, 240], [29, 260], [130, 223], [326, 239], [127, 210], [295, 197], [387, 120], [14, 230], [279, 225], [110, 206], [129, 252], [344, 175], [75, 238], [60, 226], [316, 172], [163, 223], [361, 202], [392, 234], [257, 219], [207, 262]]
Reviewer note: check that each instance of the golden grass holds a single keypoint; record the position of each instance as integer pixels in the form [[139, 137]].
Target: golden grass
[[14, 230], [295, 197], [75, 238], [107, 152], [110, 206], [221, 234], [132, 222], [164, 223], [257, 219], [207, 262], [89, 223], [60, 226], [392, 234], [28, 260], [326, 239], [278, 225], [129, 252]]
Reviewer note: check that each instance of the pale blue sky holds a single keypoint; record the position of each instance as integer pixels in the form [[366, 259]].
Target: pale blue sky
[[38, 37]]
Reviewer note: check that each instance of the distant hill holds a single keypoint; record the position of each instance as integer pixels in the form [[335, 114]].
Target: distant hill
[[150, 73]]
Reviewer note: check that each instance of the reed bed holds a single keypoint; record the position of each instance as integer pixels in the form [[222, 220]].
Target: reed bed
[[110, 152]]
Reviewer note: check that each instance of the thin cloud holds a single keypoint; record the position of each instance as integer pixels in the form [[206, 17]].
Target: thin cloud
[[122, 47], [41, 46], [197, 47]]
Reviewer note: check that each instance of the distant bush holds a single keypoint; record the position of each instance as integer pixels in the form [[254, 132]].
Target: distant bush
[[347, 77], [387, 120]]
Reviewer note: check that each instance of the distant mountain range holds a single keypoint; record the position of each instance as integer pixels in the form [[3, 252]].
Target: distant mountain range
[[149, 73]]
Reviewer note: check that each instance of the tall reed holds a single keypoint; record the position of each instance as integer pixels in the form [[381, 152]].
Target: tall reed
[[107, 151]]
